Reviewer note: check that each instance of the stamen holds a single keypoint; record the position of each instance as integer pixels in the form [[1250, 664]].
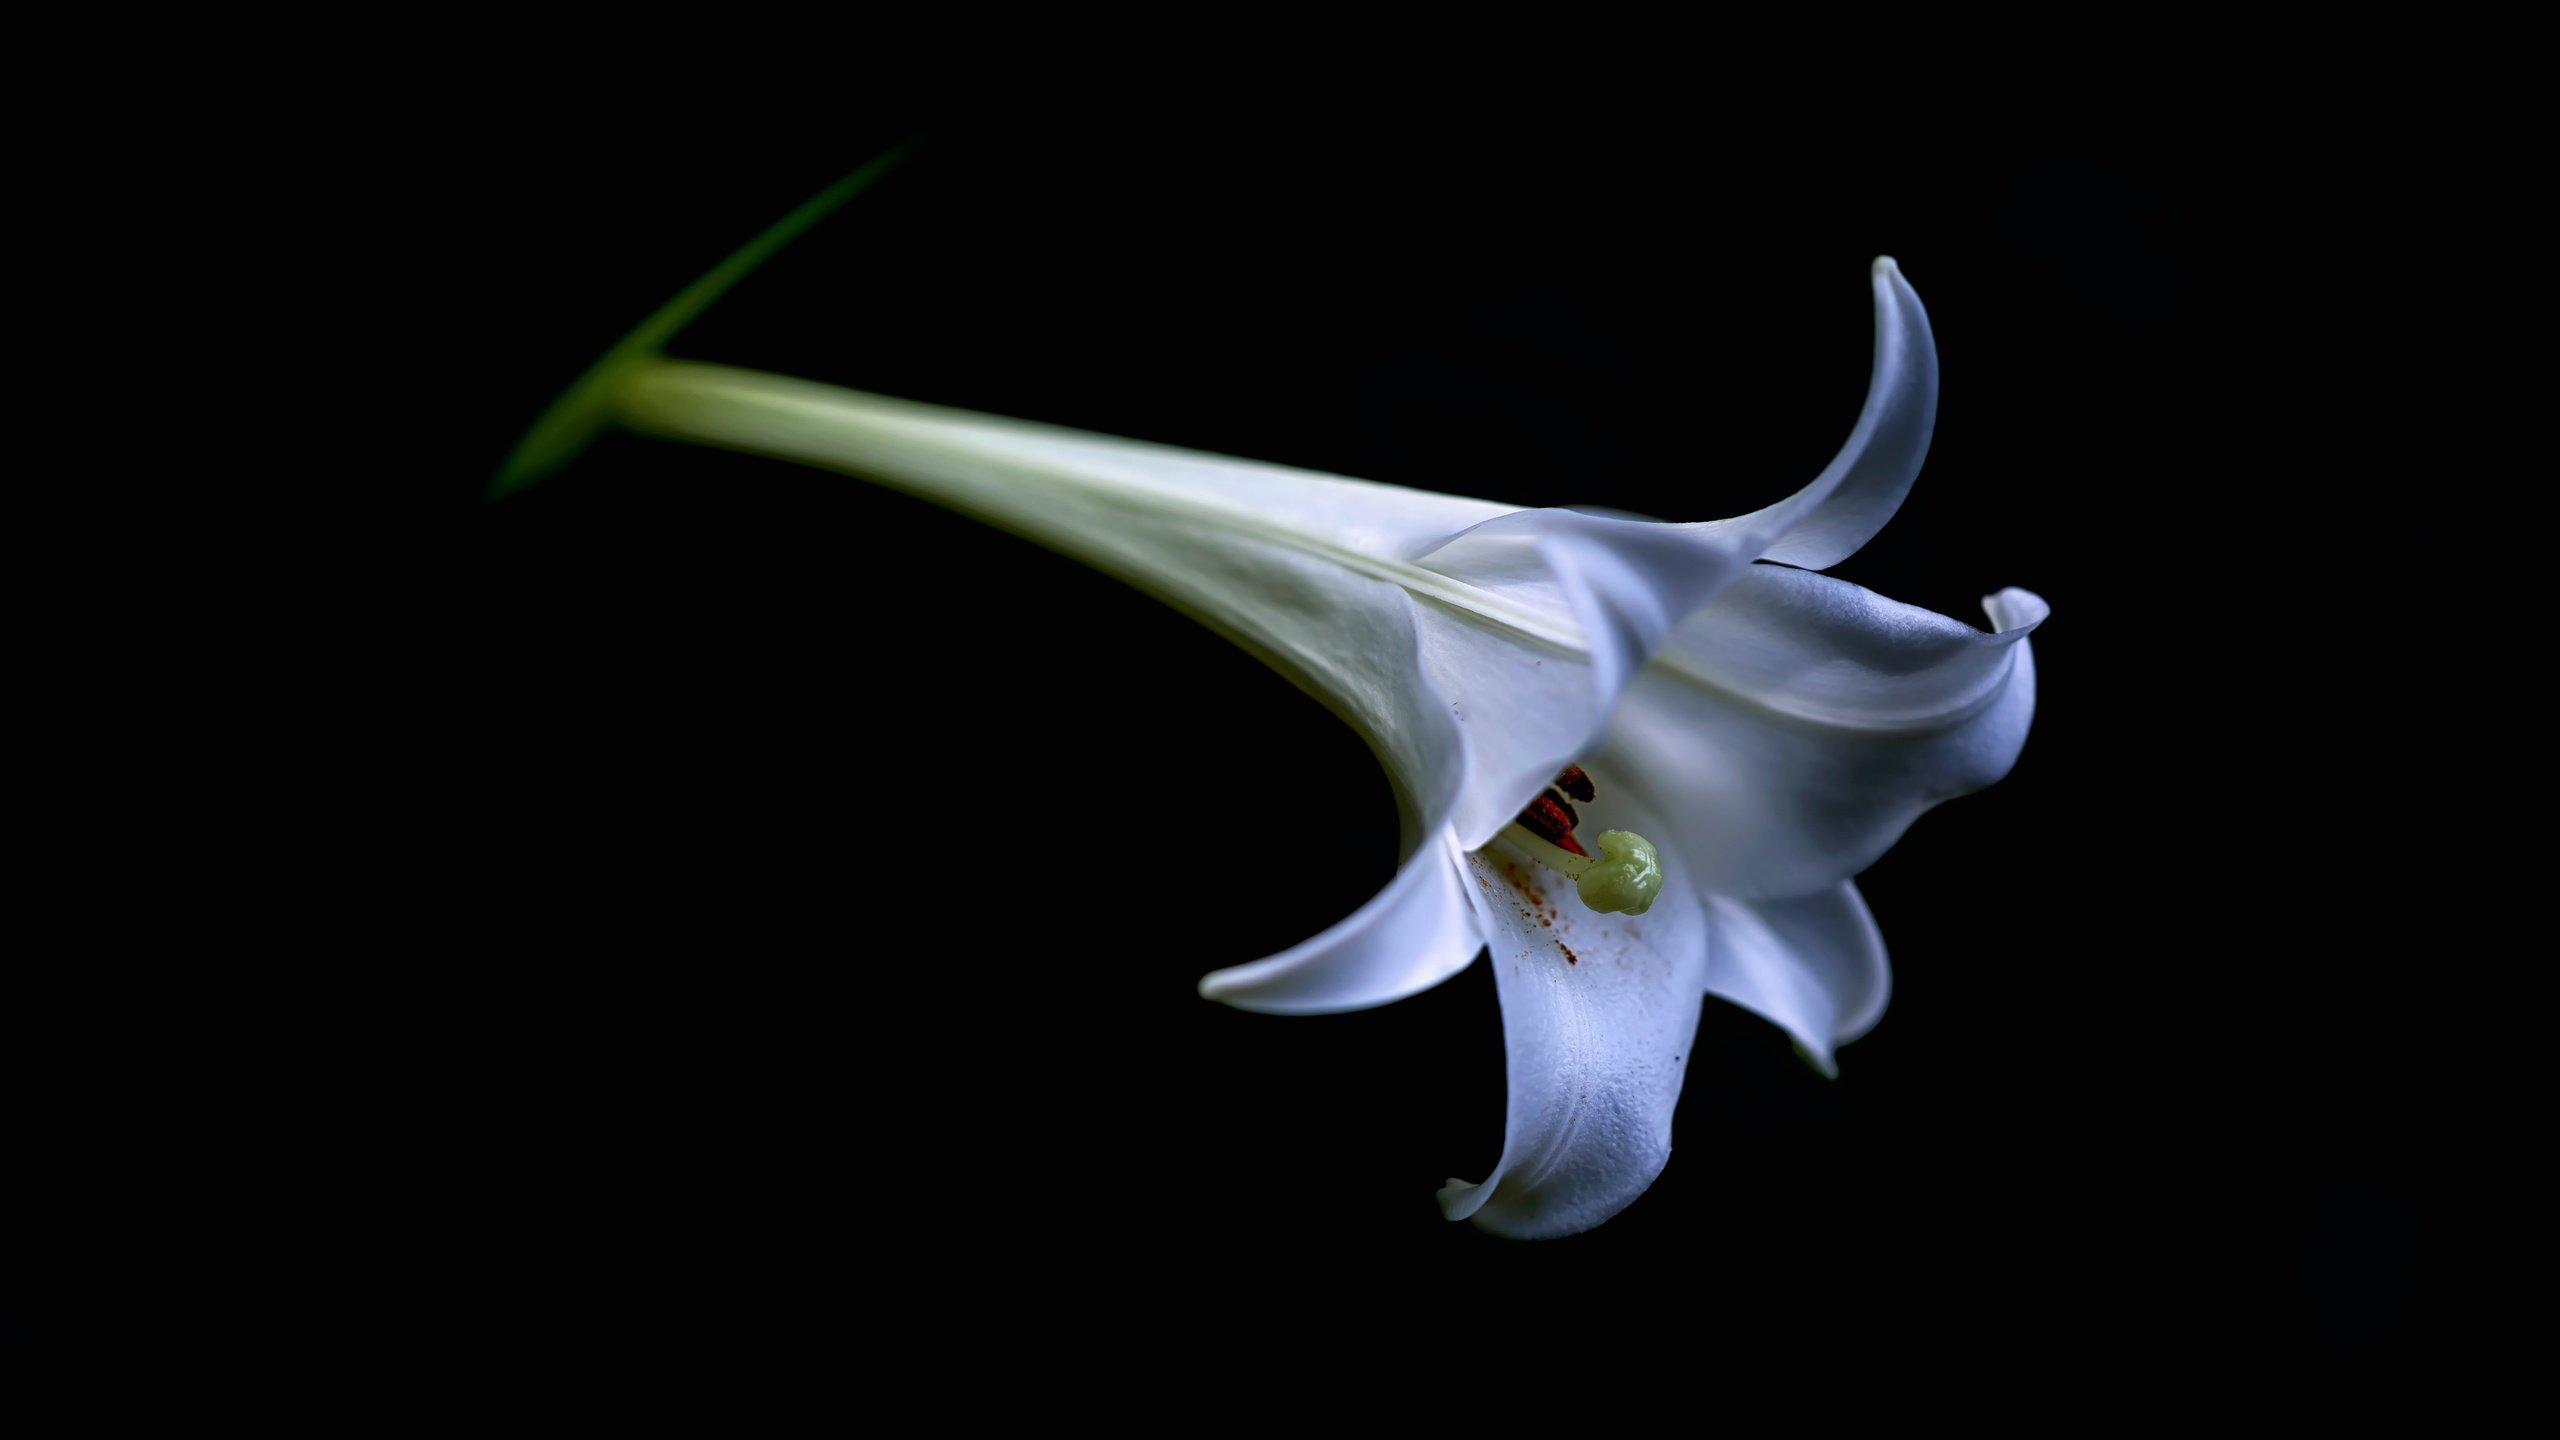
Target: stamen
[[1552, 820], [1624, 883], [1576, 784], [1569, 863]]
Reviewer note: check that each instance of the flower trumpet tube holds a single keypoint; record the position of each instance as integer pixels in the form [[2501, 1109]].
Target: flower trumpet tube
[[1637, 762]]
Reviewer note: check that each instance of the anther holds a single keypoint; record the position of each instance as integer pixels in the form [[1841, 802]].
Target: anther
[[1552, 820]]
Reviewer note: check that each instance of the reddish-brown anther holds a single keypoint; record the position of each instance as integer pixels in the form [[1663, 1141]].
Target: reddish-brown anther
[[1574, 783], [1552, 820]]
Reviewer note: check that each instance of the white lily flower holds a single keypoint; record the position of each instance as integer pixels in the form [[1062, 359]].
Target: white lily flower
[[1766, 731]]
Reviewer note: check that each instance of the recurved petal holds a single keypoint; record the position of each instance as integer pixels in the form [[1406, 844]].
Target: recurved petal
[[1844, 506], [1628, 583], [1412, 935], [1795, 727], [1815, 965], [1598, 1014]]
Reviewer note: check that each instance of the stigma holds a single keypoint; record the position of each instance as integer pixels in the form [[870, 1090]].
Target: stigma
[[1626, 876]]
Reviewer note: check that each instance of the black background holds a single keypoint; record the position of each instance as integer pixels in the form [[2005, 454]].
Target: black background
[[819, 880]]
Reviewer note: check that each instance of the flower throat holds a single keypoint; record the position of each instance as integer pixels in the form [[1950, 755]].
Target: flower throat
[[1628, 873]]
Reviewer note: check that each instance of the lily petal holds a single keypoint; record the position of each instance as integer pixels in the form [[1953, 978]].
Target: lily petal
[[1414, 934], [1814, 964], [1796, 726], [1842, 509], [1598, 1014]]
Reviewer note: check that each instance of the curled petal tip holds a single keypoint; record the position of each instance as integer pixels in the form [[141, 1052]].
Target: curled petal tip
[[2015, 609], [1844, 506]]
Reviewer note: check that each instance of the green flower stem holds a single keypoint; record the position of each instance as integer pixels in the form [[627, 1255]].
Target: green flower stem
[[590, 404]]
